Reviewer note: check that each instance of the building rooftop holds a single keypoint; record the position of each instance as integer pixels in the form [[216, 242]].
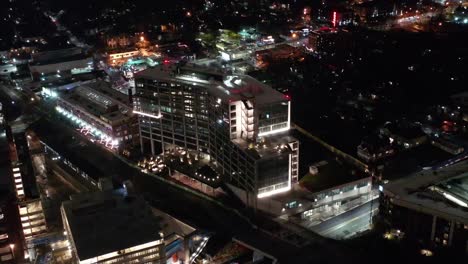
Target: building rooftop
[[60, 59], [271, 146], [105, 222], [95, 103], [88, 106], [405, 129], [375, 143], [93, 96], [331, 174], [171, 225], [25, 164], [228, 87], [105, 89], [442, 192], [409, 161]]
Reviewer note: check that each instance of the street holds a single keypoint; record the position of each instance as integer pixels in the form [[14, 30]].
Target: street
[[349, 223]]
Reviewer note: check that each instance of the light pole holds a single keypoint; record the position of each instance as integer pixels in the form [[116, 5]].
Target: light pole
[[12, 247]]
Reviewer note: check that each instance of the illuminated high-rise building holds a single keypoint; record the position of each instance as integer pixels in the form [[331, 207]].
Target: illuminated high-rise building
[[236, 122]]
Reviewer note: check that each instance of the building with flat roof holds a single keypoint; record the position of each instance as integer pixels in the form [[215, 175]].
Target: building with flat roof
[[178, 237], [430, 206], [29, 203], [375, 148], [330, 41], [236, 122], [100, 111], [104, 227], [404, 133], [119, 57], [448, 145], [55, 64]]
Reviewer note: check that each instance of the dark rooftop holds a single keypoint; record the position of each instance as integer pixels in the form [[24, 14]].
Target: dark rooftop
[[331, 173], [405, 129], [97, 219]]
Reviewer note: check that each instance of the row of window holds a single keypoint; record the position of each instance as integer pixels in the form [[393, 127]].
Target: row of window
[[137, 257]]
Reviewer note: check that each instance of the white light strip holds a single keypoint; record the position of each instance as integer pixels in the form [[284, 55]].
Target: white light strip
[[455, 199], [274, 131], [199, 250], [284, 129], [148, 115], [82, 124], [276, 191]]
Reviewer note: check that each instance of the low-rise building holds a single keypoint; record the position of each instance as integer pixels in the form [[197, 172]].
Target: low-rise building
[[404, 134], [55, 64], [236, 54], [101, 111], [448, 146], [280, 52], [31, 214], [369, 11], [430, 207], [375, 148], [118, 57], [330, 183], [104, 227]]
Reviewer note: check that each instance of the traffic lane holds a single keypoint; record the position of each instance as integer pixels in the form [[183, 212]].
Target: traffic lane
[[59, 188], [12, 104], [188, 207], [350, 227], [320, 228], [340, 218], [56, 190]]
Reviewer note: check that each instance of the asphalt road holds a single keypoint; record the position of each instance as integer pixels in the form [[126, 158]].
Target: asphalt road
[[12, 103], [348, 223]]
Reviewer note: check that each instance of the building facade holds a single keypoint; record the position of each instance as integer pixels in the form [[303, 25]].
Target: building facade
[[56, 64], [100, 113], [239, 124]]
